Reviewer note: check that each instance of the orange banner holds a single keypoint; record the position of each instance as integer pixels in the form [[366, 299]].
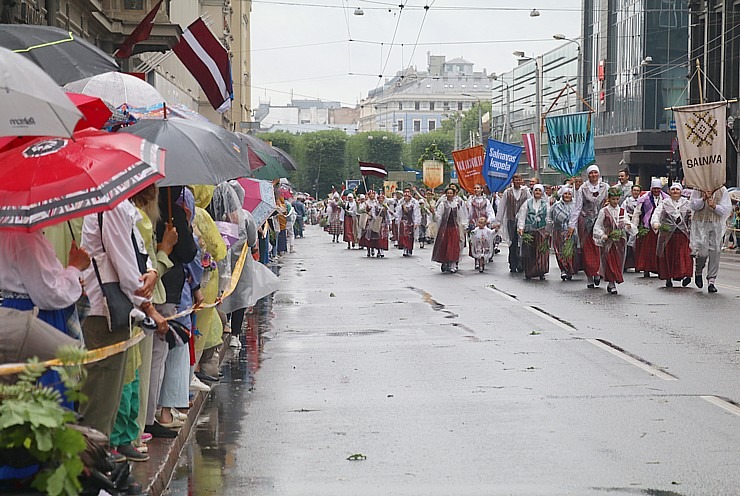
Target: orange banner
[[433, 173], [469, 166]]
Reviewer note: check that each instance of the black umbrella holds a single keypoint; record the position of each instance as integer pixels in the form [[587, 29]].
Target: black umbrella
[[288, 162], [62, 55], [198, 152]]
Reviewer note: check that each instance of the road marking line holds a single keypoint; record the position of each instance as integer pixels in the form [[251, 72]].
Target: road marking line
[[548, 318], [727, 286], [500, 293], [634, 361], [723, 404]]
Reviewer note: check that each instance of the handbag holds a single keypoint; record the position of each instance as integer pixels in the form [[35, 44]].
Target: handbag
[[115, 302]]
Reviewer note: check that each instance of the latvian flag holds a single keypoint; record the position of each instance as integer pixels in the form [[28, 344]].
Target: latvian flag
[[530, 146], [208, 61], [371, 169]]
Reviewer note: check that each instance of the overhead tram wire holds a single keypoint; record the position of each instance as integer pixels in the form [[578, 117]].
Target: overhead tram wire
[[427, 6], [390, 50]]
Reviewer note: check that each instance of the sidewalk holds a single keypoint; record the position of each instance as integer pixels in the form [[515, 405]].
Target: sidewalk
[[154, 475]]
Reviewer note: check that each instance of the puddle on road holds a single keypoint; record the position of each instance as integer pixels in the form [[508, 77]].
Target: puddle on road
[[209, 455], [436, 306]]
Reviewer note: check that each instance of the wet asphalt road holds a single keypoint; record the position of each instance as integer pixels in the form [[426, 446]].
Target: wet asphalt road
[[472, 384]]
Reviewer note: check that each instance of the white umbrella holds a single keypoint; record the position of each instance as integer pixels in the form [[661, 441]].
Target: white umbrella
[[31, 103], [117, 88]]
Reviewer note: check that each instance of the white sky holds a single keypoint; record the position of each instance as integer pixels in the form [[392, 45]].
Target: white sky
[[301, 46]]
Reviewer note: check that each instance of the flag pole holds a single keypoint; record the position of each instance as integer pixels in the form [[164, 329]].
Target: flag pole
[[363, 175]]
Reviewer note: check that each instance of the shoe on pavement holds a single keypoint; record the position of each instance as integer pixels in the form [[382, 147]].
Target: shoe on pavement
[[131, 453], [205, 377], [668, 283], [116, 457], [174, 424], [158, 431], [197, 385], [711, 288], [235, 343], [597, 281], [686, 281], [146, 437], [699, 281]]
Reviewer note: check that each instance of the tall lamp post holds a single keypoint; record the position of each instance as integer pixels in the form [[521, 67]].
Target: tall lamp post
[[538, 100], [480, 118], [579, 84], [507, 116]]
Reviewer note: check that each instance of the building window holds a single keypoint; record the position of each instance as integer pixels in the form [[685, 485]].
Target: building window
[[446, 105], [459, 105], [400, 126], [431, 105], [417, 125], [133, 4], [417, 105], [400, 105], [432, 125]]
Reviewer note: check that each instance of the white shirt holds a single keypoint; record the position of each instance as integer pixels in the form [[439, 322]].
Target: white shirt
[[415, 214], [31, 267], [537, 205], [613, 212], [118, 224]]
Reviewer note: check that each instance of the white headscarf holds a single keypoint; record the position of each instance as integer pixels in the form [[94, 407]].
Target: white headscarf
[[656, 183], [593, 167], [538, 187], [676, 186]]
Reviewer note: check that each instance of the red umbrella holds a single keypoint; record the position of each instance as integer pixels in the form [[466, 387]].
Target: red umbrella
[[259, 198], [95, 113], [50, 180]]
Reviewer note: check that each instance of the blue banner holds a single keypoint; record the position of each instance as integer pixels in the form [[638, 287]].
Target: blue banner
[[571, 142], [500, 164]]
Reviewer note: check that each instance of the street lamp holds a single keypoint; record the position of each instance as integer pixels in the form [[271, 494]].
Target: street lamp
[[504, 134], [538, 98], [480, 117], [579, 59]]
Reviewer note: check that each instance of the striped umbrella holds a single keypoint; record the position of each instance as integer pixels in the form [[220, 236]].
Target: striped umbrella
[[50, 180]]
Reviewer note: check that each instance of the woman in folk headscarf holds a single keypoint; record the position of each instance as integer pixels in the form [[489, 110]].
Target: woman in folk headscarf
[[349, 221], [671, 220], [646, 244], [334, 214], [451, 217], [566, 249], [610, 232], [531, 226], [589, 199]]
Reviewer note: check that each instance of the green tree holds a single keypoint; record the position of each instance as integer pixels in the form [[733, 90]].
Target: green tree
[[380, 147], [282, 139], [321, 157], [419, 143], [468, 122]]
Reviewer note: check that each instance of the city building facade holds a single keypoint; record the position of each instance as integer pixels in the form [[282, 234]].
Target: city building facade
[[414, 102]]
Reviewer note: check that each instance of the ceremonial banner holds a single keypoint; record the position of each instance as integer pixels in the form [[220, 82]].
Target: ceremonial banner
[[433, 173], [389, 187], [469, 166], [500, 164], [571, 141], [702, 139]]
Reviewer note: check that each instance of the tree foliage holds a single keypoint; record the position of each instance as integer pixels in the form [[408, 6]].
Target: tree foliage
[[419, 144], [321, 157], [380, 147], [468, 122]]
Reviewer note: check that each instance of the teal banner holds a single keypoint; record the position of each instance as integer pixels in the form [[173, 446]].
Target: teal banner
[[571, 142]]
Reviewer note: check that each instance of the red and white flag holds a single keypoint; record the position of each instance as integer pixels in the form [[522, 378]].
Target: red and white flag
[[371, 169], [139, 34], [530, 147], [208, 61]]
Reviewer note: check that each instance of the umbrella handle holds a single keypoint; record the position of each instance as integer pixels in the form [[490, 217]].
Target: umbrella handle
[[169, 205]]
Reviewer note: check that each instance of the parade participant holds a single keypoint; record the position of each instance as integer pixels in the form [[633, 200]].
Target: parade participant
[[610, 234], [385, 222], [589, 199], [647, 240], [451, 218], [671, 220], [710, 211], [334, 216], [558, 219], [535, 248], [408, 217], [577, 183], [481, 243], [533, 181], [629, 204], [392, 203], [375, 233], [509, 206], [426, 215], [361, 218], [479, 206], [349, 221], [624, 184]]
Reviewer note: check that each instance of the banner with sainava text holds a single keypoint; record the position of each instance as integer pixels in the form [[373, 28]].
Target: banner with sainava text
[[571, 142]]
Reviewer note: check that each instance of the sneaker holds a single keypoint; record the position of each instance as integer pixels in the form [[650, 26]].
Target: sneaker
[[711, 288], [205, 377], [174, 424], [686, 281], [131, 453], [197, 385], [235, 343], [158, 431], [146, 437], [116, 457]]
